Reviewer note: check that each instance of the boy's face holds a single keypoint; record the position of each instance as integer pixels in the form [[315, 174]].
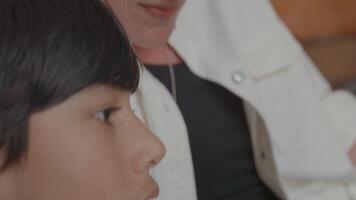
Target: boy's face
[[148, 23], [89, 147]]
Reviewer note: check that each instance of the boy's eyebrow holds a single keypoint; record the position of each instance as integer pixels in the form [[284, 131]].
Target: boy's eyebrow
[[109, 94]]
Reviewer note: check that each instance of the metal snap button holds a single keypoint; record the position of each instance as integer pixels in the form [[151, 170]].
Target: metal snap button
[[238, 76]]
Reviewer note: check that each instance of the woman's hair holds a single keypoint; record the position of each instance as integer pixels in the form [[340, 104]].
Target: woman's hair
[[50, 50]]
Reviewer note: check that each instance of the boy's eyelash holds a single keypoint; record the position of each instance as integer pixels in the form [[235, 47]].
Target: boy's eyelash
[[110, 110], [105, 114]]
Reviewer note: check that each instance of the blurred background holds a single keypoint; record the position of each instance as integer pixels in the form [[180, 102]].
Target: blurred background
[[327, 30]]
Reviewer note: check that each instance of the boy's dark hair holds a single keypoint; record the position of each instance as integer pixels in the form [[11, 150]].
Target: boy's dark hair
[[49, 50]]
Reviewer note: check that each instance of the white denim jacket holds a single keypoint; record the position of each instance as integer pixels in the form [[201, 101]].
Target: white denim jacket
[[301, 130]]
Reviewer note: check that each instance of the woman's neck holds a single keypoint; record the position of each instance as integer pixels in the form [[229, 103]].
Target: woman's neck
[[162, 55]]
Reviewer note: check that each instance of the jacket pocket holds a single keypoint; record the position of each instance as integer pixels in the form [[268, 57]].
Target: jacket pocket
[[271, 53]]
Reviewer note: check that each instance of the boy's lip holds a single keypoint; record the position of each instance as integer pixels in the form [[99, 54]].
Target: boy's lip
[[154, 193]]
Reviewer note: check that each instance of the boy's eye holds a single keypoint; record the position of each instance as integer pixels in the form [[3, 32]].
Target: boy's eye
[[104, 115]]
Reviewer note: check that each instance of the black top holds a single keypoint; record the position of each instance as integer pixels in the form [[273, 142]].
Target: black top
[[219, 137]]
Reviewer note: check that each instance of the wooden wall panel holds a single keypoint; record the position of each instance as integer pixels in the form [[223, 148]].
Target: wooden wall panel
[[327, 29]]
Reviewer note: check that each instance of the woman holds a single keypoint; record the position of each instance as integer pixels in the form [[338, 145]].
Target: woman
[[66, 127], [246, 96]]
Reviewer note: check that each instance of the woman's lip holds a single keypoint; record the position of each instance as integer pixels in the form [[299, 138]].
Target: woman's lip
[[154, 193], [159, 11]]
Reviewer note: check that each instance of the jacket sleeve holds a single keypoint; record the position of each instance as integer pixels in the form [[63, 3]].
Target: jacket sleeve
[[340, 106]]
